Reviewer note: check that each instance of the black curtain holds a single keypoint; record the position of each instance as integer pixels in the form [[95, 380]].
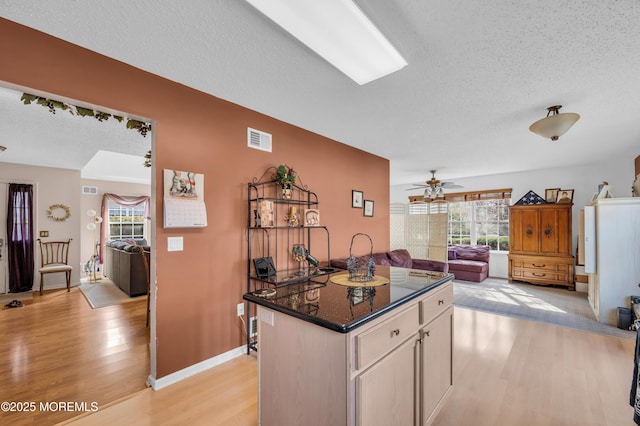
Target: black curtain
[[20, 242]]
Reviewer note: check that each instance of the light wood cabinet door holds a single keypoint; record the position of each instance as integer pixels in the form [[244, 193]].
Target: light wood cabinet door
[[524, 230], [386, 392], [437, 362], [554, 228]]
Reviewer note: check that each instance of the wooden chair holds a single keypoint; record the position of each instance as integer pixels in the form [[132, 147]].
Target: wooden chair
[[54, 257]]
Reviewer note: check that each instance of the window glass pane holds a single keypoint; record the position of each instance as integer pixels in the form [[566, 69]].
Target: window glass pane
[[126, 222], [488, 218]]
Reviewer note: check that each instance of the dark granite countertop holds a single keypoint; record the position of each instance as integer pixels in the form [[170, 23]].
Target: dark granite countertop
[[343, 308]]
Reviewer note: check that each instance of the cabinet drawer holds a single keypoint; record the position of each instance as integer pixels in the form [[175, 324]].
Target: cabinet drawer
[[539, 275], [436, 303], [546, 265], [374, 343]]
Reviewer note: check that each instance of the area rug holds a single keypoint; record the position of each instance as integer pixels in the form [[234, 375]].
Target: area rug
[[535, 303], [105, 293], [9, 297]]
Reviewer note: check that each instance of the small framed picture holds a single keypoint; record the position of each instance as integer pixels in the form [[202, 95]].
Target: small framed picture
[[264, 267], [368, 208], [551, 195], [312, 217], [356, 199], [565, 196]]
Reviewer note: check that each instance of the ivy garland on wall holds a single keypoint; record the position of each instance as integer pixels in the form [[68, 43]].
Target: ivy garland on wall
[[142, 127]]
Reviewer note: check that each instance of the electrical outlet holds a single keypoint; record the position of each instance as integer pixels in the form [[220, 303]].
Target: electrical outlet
[[240, 309]]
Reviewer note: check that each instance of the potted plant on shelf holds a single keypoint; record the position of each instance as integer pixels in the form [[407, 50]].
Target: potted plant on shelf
[[286, 177]]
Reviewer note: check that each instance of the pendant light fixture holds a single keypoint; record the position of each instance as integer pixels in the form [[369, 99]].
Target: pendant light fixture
[[554, 124]]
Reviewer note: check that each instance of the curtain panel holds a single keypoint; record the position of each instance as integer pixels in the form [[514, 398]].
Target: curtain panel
[[20, 242]]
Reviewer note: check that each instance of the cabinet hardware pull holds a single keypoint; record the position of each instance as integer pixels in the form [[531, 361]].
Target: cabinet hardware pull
[[538, 275], [440, 302], [395, 332], [427, 333], [539, 266]]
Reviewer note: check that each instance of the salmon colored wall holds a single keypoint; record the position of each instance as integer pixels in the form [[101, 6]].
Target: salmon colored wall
[[198, 289]]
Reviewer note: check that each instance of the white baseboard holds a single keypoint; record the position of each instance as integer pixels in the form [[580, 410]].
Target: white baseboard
[[163, 382]]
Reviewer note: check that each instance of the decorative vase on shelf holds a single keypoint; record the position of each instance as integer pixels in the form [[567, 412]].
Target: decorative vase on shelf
[[286, 190], [299, 253], [285, 176]]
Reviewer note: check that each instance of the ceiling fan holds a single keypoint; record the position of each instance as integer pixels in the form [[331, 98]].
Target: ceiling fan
[[434, 188]]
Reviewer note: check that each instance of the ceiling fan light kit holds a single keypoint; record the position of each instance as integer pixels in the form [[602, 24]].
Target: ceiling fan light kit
[[555, 124], [434, 188]]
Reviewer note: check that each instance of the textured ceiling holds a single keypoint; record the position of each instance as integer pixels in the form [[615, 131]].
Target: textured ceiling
[[479, 74]]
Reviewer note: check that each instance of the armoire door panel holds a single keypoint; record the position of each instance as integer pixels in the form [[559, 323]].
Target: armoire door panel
[[549, 231], [526, 231]]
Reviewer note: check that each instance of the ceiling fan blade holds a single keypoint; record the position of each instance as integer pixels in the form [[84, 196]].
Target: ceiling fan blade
[[450, 185]]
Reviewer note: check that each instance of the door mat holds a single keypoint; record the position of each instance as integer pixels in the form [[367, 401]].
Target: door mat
[[105, 293], [10, 297]]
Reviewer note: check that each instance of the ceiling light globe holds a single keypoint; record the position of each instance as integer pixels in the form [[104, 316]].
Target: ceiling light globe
[[554, 124]]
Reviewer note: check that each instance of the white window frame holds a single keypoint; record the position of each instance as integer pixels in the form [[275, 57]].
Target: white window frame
[[473, 222], [129, 211]]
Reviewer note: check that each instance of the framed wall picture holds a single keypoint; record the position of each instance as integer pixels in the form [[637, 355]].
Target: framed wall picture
[[356, 199], [551, 195], [264, 267], [368, 208], [565, 196]]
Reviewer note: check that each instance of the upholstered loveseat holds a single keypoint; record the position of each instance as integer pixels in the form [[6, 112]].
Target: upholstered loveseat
[[125, 266], [399, 257], [469, 262]]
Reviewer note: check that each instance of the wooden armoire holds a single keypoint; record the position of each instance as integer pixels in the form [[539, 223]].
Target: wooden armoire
[[540, 249]]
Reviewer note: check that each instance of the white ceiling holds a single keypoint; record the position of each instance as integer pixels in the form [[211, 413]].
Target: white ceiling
[[479, 74]]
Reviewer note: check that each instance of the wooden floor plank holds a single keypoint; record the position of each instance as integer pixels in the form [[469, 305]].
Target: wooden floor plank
[[507, 372], [57, 349]]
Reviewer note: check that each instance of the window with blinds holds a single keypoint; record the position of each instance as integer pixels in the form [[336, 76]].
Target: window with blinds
[[477, 217]]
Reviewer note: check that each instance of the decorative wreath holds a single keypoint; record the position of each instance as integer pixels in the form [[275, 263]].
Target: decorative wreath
[[67, 212]]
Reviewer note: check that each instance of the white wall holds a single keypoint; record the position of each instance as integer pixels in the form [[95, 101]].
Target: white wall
[[62, 186], [584, 180], [51, 186]]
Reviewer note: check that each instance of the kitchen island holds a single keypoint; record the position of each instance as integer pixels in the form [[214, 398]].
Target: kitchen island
[[355, 355]]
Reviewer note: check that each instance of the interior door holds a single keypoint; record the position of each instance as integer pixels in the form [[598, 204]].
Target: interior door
[[4, 272]]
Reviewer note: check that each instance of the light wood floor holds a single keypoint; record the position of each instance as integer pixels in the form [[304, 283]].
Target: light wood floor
[[57, 349], [507, 372]]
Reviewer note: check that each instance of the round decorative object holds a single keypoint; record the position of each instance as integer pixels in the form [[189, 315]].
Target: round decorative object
[[53, 214], [635, 188], [343, 279], [265, 292]]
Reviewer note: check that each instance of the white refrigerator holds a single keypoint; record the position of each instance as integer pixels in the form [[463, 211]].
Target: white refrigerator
[[612, 255]]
